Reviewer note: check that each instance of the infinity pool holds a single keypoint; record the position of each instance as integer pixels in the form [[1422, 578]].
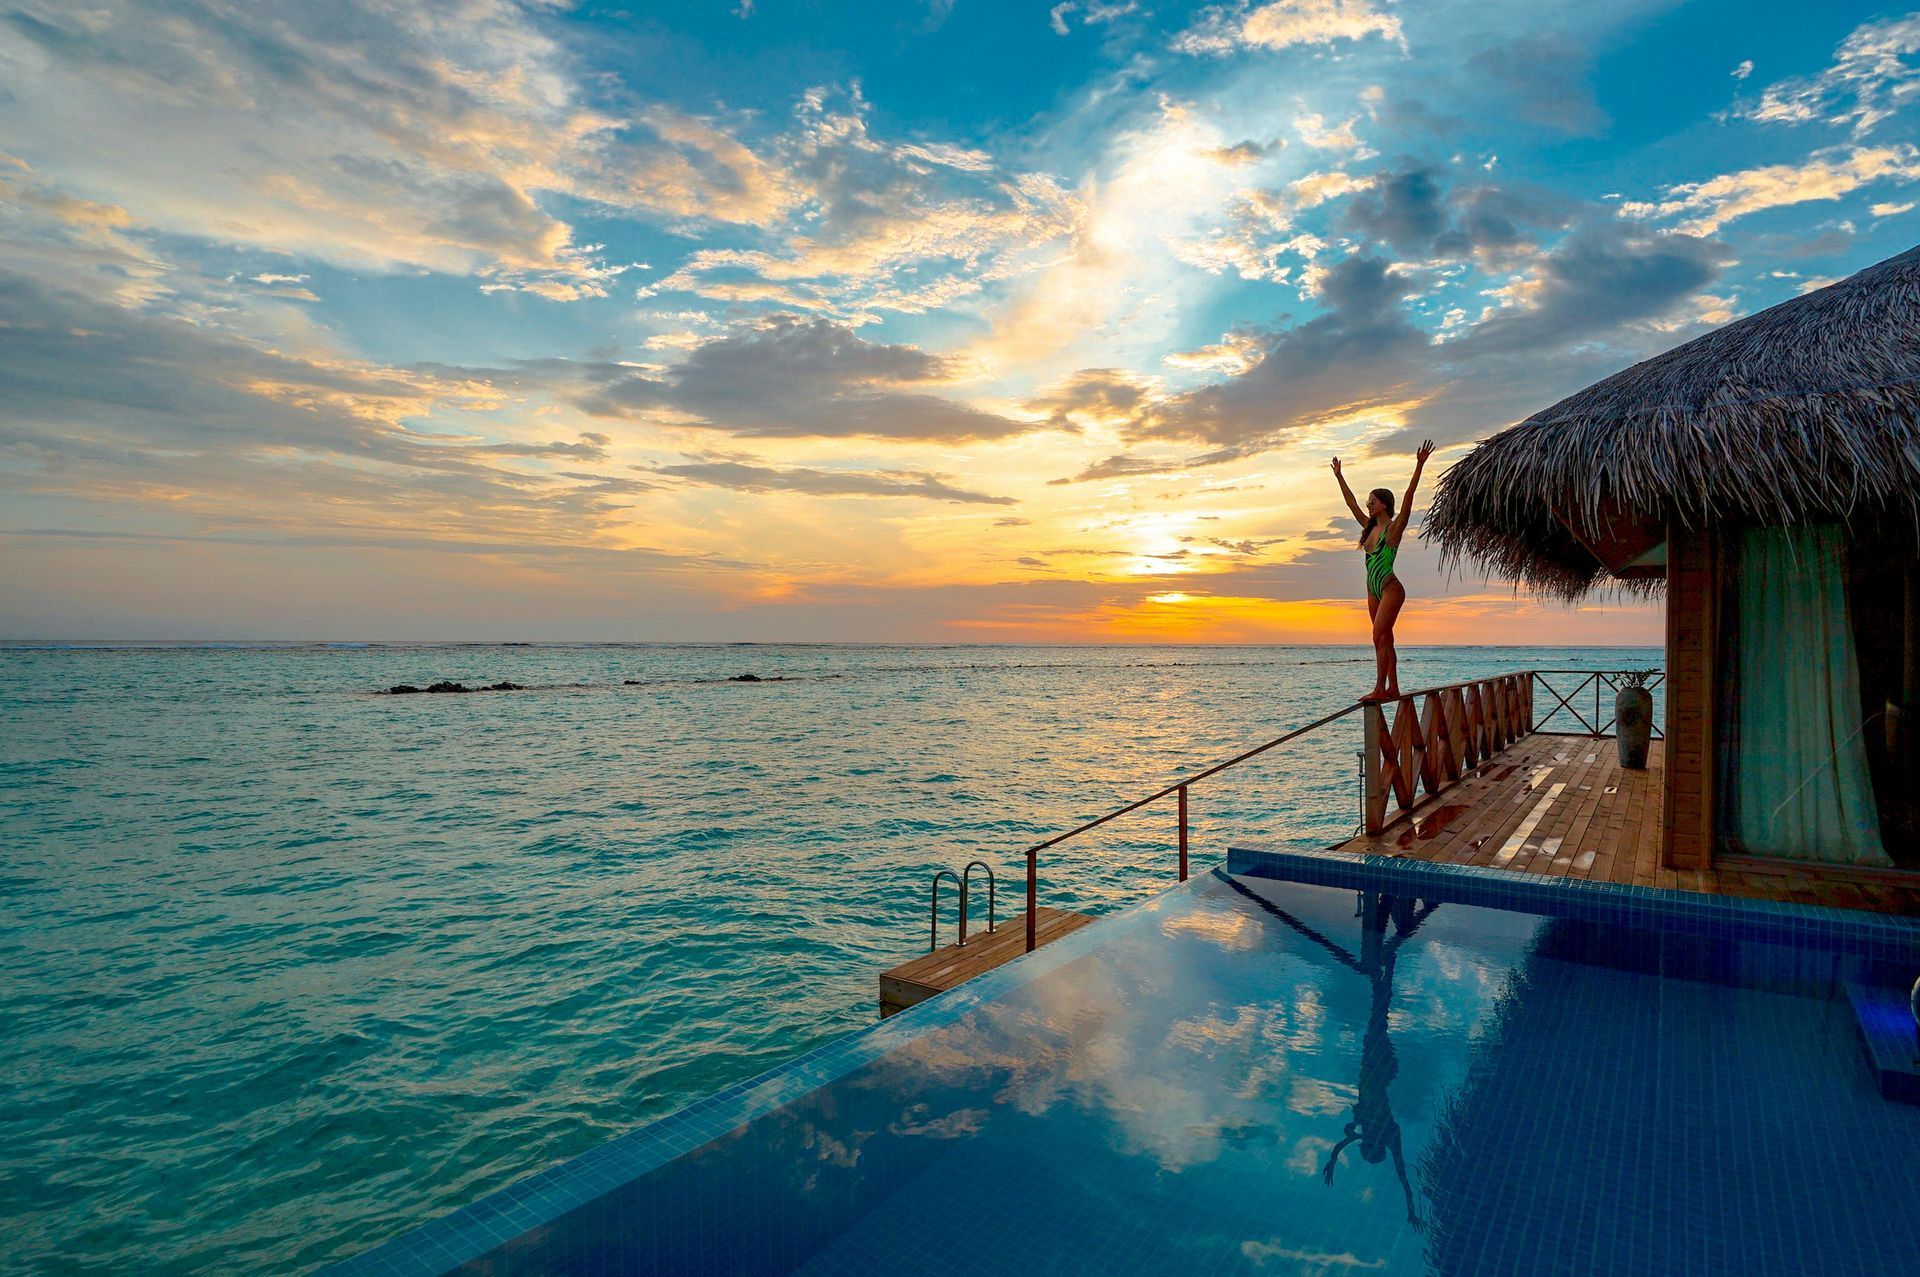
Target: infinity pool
[[1251, 1074]]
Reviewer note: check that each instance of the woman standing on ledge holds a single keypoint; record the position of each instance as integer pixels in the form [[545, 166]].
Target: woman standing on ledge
[[1380, 533]]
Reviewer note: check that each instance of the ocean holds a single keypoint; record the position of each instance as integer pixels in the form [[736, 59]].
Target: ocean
[[291, 964]]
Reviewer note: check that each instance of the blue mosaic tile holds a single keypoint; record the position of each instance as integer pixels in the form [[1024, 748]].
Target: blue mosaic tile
[[1890, 937]]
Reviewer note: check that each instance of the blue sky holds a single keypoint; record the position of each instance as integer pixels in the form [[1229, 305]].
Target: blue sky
[[836, 321]]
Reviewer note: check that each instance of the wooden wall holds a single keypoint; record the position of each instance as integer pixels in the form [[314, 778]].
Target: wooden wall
[[1692, 590]]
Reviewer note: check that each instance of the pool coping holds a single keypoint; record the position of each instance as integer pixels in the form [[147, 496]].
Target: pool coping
[[470, 1232], [1892, 937]]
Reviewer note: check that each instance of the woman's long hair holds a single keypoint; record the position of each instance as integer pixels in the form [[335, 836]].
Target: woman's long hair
[[1385, 498]]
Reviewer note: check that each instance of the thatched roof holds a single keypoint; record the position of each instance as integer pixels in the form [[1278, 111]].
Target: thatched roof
[[1806, 411]]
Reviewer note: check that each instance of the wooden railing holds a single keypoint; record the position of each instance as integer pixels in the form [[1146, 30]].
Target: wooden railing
[[1427, 740]]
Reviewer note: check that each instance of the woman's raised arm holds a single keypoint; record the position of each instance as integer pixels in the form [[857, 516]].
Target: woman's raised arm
[[1399, 525], [1347, 492]]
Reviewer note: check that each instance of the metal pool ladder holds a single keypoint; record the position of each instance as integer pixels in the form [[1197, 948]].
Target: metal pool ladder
[[963, 881]]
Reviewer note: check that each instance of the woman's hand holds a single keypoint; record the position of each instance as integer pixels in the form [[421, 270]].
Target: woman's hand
[[1426, 450], [1336, 465]]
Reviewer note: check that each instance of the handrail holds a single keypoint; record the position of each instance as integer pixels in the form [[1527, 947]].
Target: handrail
[[933, 906], [1179, 787], [1473, 719], [966, 878]]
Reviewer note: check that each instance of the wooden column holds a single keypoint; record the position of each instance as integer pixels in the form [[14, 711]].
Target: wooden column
[[1693, 587], [1372, 768]]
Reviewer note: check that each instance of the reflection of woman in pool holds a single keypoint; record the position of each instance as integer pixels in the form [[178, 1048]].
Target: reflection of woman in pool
[[1373, 1126]]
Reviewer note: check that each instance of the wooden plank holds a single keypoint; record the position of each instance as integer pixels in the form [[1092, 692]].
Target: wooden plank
[[1550, 835], [920, 978]]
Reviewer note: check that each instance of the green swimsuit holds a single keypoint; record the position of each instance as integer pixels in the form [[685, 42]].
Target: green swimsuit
[[1379, 564]]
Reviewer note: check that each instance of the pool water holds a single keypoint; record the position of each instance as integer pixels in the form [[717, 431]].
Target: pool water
[[1249, 1075]]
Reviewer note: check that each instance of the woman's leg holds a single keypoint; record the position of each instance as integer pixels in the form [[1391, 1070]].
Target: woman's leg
[[1379, 664], [1386, 658]]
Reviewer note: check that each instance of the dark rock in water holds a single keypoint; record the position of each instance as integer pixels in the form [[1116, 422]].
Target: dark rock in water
[[634, 682], [449, 687], [402, 689], [506, 687], [746, 678]]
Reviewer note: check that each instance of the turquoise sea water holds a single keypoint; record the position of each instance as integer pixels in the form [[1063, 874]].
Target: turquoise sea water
[[287, 966]]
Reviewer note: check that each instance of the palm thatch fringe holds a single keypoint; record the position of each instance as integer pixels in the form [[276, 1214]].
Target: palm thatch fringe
[[1807, 411]]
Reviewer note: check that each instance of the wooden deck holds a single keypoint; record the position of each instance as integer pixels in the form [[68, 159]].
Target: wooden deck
[[1563, 805], [936, 972]]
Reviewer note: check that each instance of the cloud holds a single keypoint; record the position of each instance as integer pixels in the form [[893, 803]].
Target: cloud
[[1543, 80], [746, 477], [1598, 279], [59, 240], [367, 135], [1283, 24], [1316, 189], [1412, 210], [1605, 293], [1409, 209], [1234, 353], [1357, 352], [1872, 73], [1135, 465], [1825, 175], [188, 423], [797, 377], [1241, 154], [882, 225], [1315, 131], [1093, 397], [1090, 12], [1259, 231], [686, 166]]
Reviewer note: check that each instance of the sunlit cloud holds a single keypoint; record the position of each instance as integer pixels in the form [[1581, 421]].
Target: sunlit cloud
[[1223, 29], [1873, 72], [1824, 176]]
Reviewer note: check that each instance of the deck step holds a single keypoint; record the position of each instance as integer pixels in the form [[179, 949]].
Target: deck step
[[930, 973], [1887, 1032]]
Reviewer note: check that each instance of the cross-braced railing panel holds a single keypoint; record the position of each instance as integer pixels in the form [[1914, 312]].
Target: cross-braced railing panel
[[1425, 742]]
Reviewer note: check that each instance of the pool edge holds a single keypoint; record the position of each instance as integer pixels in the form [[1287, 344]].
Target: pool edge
[[1875, 935]]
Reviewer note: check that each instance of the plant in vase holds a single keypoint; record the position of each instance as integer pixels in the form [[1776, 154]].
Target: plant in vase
[[1633, 717]]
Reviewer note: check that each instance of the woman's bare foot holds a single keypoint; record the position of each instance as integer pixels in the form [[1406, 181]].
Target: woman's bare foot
[[1374, 697]]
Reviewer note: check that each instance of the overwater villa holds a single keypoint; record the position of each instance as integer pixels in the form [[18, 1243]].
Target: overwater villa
[[1568, 1002], [1768, 476]]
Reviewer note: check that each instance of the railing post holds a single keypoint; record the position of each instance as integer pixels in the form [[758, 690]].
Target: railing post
[[1033, 891], [1183, 833], [1376, 798]]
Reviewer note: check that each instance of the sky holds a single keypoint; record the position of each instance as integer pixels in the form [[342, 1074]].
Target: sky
[[942, 321]]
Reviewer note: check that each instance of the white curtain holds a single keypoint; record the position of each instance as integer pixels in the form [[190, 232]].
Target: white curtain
[[1794, 780]]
